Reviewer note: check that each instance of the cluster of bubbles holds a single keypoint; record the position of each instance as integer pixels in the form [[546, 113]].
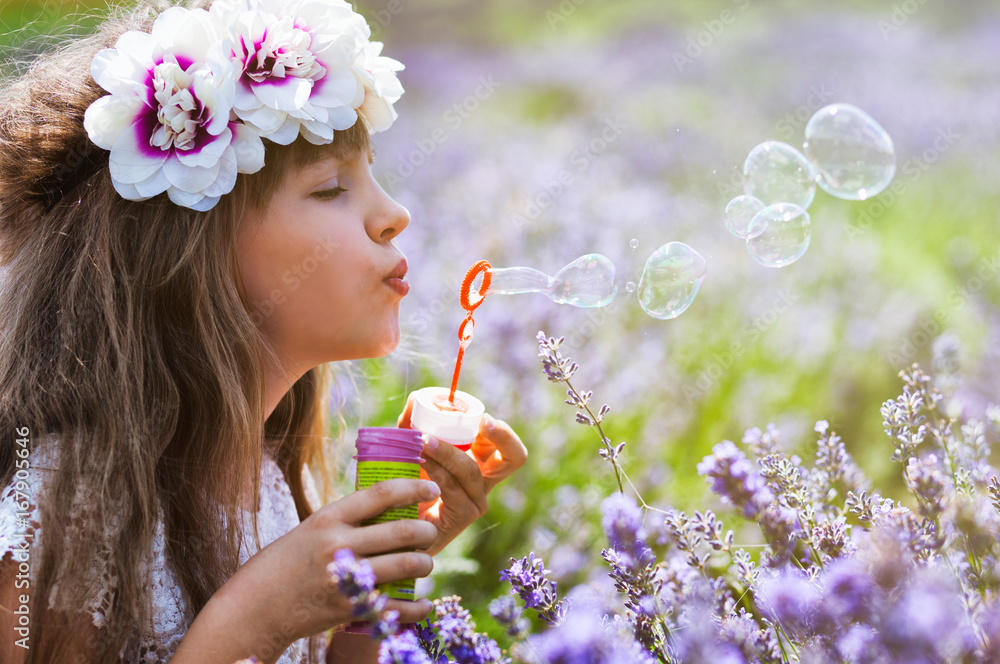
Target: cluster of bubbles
[[669, 283], [846, 153]]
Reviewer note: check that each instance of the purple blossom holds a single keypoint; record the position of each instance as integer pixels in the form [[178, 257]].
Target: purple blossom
[[584, 637], [735, 479], [356, 581], [457, 633], [508, 614], [926, 479], [402, 648], [622, 522], [527, 579], [791, 599]]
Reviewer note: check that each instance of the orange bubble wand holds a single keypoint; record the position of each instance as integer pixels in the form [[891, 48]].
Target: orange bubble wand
[[469, 301]]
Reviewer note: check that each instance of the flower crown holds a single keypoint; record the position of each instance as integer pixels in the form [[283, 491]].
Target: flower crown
[[191, 100]]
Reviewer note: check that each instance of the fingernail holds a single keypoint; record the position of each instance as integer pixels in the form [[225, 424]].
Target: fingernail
[[491, 423], [430, 442], [431, 490]]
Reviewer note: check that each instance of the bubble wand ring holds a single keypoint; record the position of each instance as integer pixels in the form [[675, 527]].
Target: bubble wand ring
[[470, 302]]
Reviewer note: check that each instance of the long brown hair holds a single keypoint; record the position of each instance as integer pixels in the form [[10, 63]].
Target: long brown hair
[[127, 338]]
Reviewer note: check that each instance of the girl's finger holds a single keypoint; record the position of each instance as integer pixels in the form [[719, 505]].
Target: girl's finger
[[403, 565], [499, 450], [368, 503], [392, 536], [410, 612], [456, 472]]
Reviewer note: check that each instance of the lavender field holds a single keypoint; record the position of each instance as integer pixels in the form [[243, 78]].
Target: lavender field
[[649, 115], [533, 133]]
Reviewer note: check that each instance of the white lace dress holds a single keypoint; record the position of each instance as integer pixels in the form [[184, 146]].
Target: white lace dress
[[171, 617]]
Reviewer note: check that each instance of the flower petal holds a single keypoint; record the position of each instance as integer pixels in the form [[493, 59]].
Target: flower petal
[[286, 134], [132, 158], [195, 201], [128, 191], [248, 148], [226, 179], [154, 186], [108, 117], [337, 88], [190, 178], [287, 95], [118, 70], [266, 120], [207, 155]]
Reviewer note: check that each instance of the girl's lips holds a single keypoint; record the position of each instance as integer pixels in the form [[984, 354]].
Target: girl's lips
[[397, 279], [398, 284]]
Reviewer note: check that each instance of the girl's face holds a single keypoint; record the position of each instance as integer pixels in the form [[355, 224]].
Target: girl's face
[[320, 267]]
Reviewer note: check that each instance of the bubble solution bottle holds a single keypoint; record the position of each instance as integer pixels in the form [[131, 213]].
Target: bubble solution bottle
[[455, 422], [383, 454]]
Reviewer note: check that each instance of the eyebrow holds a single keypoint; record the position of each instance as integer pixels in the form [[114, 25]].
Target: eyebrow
[[322, 158]]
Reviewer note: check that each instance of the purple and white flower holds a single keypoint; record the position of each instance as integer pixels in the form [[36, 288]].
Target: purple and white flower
[[306, 67], [167, 120]]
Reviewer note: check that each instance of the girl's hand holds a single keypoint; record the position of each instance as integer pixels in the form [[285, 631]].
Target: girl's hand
[[284, 592], [466, 478]]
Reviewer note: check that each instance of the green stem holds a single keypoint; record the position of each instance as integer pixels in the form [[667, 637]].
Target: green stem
[[604, 439]]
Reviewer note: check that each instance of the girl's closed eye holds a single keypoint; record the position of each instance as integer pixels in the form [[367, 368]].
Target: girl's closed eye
[[329, 194]]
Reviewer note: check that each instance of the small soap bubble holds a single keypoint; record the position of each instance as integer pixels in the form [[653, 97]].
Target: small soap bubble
[[779, 235], [775, 172], [740, 212], [670, 280], [634, 243], [852, 153], [630, 287]]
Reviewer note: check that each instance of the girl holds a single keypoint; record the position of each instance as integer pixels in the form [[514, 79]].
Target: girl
[[163, 378]]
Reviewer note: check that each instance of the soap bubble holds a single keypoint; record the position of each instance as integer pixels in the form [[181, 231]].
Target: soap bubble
[[634, 244], [670, 280], [740, 212], [775, 172], [630, 287], [852, 153], [779, 235], [589, 281]]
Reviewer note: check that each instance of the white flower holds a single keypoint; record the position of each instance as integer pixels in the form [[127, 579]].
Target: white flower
[[377, 74], [167, 120], [305, 67], [294, 65]]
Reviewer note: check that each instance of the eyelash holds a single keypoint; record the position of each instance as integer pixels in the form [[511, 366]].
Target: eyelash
[[329, 194]]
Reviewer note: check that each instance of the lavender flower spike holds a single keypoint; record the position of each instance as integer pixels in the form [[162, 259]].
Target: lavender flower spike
[[735, 480]]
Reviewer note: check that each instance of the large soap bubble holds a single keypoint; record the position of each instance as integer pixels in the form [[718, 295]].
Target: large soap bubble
[[740, 212], [775, 172], [852, 153], [779, 235], [670, 280]]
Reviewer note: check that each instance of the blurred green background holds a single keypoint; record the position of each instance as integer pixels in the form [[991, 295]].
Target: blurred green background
[[505, 97]]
